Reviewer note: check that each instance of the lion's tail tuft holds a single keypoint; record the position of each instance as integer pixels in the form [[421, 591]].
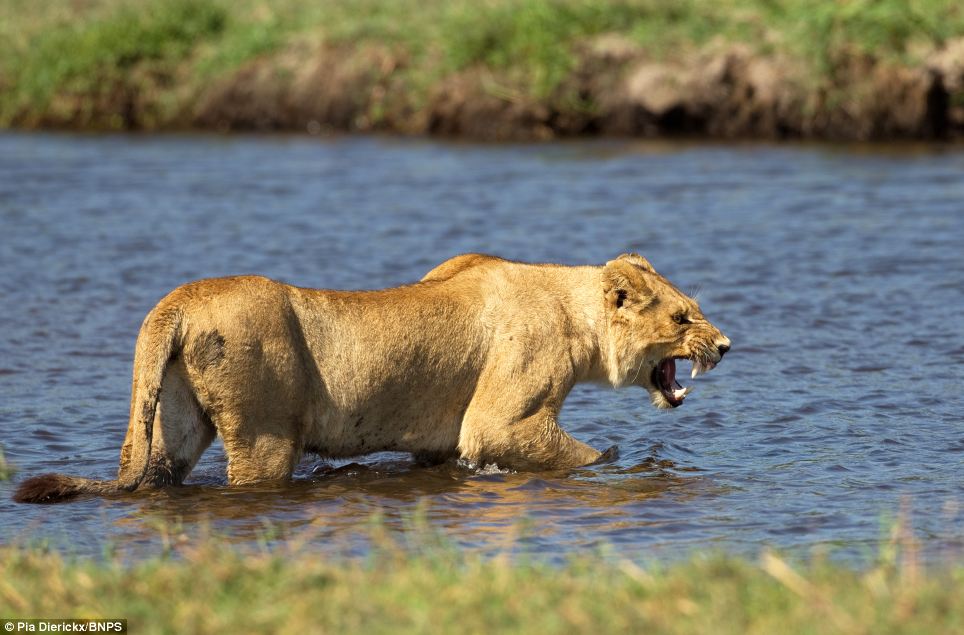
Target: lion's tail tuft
[[56, 488]]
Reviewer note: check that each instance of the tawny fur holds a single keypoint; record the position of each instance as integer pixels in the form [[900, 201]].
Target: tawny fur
[[474, 361]]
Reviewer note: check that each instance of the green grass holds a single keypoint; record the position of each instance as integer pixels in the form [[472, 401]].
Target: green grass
[[209, 587], [6, 470], [84, 57], [168, 50]]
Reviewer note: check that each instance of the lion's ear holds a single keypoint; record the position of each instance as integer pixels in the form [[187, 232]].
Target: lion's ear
[[637, 260], [624, 284]]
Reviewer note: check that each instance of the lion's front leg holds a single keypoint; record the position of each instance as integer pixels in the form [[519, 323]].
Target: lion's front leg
[[512, 420], [533, 443]]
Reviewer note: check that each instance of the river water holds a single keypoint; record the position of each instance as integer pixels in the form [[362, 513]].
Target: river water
[[837, 272]]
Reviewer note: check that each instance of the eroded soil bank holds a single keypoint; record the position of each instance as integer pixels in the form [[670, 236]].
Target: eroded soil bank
[[722, 91]]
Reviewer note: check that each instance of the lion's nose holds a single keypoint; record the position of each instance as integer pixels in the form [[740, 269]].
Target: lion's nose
[[723, 348]]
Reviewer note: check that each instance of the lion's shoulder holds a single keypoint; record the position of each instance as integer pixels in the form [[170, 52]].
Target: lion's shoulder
[[458, 264]]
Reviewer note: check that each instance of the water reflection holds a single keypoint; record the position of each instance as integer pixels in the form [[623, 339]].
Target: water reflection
[[469, 505]]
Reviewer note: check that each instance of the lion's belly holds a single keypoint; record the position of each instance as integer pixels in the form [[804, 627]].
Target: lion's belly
[[403, 424], [399, 418]]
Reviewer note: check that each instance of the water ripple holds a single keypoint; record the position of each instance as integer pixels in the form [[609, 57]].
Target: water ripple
[[836, 274]]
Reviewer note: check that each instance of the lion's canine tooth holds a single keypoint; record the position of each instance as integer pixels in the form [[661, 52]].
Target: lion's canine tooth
[[697, 369], [679, 393]]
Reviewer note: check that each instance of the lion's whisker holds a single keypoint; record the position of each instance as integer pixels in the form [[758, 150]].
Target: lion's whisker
[[637, 370]]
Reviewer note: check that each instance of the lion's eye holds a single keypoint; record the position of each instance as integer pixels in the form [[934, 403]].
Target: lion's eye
[[680, 318]]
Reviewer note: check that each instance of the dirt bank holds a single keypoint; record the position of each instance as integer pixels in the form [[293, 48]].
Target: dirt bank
[[728, 92], [615, 88]]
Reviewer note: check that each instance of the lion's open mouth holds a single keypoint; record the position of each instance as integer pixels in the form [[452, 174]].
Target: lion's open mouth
[[664, 378]]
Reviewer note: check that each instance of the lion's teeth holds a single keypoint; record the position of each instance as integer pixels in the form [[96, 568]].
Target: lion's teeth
[[679, 393], [697, 369]]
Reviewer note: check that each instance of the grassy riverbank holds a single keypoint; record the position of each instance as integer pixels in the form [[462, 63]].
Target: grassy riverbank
[[497, 69], [211, 588]]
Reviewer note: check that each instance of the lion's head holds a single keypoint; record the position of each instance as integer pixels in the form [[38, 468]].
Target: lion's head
[[651, 324]]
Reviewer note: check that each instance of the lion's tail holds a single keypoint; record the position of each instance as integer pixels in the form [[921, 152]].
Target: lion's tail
[[55, 488], [155, 346]]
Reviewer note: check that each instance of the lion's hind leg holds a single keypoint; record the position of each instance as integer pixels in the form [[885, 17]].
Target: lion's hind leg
[[182, 431], [263, 458], [254, 454]]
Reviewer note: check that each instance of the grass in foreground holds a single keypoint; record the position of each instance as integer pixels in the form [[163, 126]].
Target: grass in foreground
[[6, 470], [212, 588], [170, 49]]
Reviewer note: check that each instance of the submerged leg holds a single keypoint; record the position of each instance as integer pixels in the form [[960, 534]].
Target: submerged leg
[[521, 433], [269, 453], [534, 443], [181, 431]]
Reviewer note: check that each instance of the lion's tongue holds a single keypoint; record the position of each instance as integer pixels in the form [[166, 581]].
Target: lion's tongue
[[671, 388], [669, 373]]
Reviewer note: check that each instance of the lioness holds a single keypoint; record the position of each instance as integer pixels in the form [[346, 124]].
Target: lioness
[[473, 361]]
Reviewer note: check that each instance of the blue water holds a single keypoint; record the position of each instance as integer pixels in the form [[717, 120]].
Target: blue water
[[837, 272]]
